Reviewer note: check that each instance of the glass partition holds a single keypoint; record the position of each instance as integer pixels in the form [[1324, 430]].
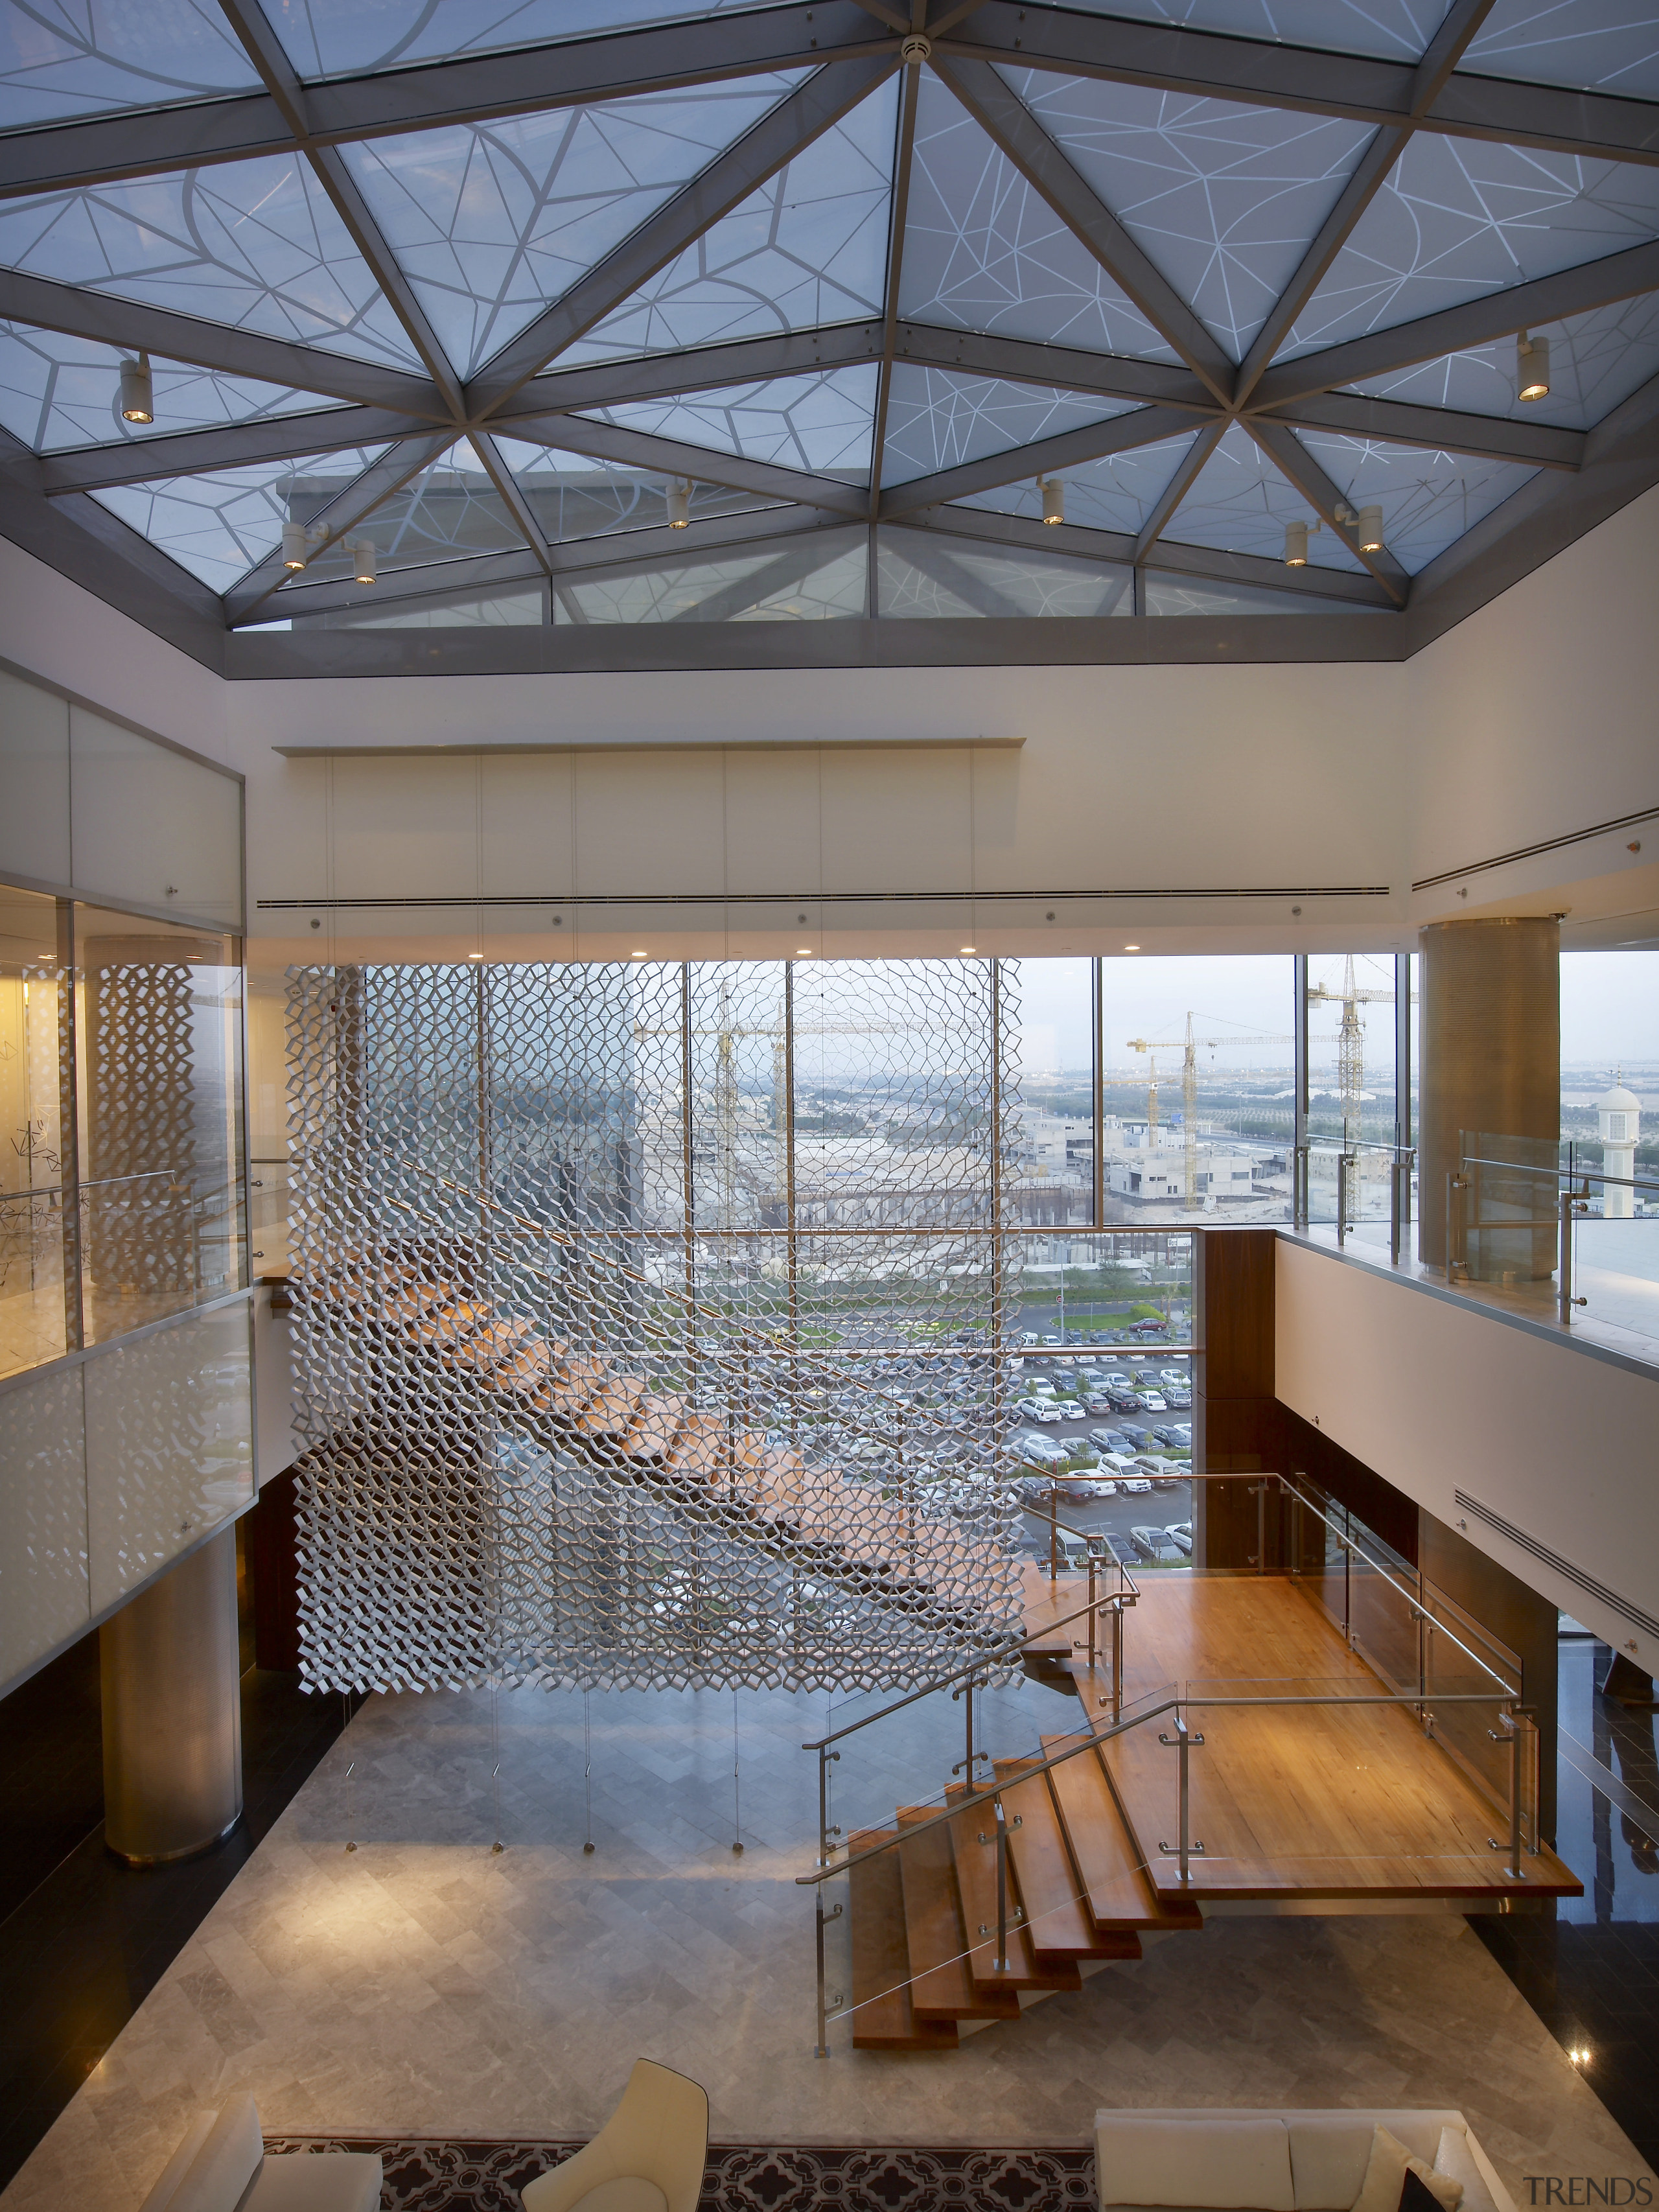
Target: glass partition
[[37, 1286]]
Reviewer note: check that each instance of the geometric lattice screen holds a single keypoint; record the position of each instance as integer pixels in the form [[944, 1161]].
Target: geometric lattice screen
[[649, 1321]]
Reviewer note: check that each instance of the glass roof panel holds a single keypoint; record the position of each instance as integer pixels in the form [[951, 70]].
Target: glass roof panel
[[345, 38], [1595, 360], [984, 251], [1223, 197], [449, 510], [820, 578], [526, 606], [809, 247], [255, 243], [576, 496], [1604, 46], [62, 57], [1427, 499], [220, 524], [1116, 494], [489, 222], [1399, 30], [1459, 219], [58, 391], [937, 419], [1240, 503], [1168, 594], [923, 575], [821, 424]]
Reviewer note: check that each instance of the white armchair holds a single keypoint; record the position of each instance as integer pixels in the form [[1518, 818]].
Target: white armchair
[[221, 2166], [649, 2156]]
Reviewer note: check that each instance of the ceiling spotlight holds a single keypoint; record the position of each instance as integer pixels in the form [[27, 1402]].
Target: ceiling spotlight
[[1532, 367], [1371, 530], [362, 560], [679, 505], [1054, 499], [1296, 545], [295, 551], [138, 390]]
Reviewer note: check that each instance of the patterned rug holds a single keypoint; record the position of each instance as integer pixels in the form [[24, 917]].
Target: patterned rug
[[429, 2175]]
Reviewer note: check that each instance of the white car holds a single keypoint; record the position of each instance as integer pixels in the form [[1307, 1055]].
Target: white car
[[1101, 1487], [1040, 1387], [1137, 1485], [1152, 1402], [1042, 1452], [1040, 1409], [1115, 1379], [1171, 1375]]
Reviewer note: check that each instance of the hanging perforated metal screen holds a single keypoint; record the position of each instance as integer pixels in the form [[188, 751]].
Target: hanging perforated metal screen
[[648, 1322]]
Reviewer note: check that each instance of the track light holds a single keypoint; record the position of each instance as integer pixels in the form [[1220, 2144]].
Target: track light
[[1296, 545], [1532, 367], [679, 505], [138, 390], [362, 560], [1371, 530], [1054, 499], [296, 548]]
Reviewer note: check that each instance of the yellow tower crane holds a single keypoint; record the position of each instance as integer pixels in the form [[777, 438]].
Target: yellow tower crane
[[1189, 1044], [1350, 1040]]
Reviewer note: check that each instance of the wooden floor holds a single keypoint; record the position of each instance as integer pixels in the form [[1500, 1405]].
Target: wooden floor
[[1315, 1801]]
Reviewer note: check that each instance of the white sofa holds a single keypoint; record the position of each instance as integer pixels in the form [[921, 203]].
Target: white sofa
[[221, 2166], [1221, 2160]]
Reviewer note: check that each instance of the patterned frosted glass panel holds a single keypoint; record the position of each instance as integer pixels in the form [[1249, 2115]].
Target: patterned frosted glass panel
[[33, 1326], [1595, 360], [1607, 46], [809, 246], [821, 579], [61, 57], [919, 576], [576, 497], [255, 243], [169, 1444], [222, 524], [820, 424], [44, 1585], [984, 251], [1241, 503], [58, 391], [342, 38], [937, 420], [1427, 499], [449, 510], [1459, 219], [1116, 494], [1170, 594], [1395, 30], [489, 222], [1223, 199], [161, 1097]]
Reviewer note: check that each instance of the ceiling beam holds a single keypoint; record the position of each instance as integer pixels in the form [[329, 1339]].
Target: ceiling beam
[[932, 556], [1371, 171], [1456, 330], [470, 88], [795, 123], [668, 457], [1294, 461], [135, 327], [702, 368], [724, 600], [344, 512], [1181, 482], [301, 602], [1011, 127], [1210, 64], [512, 498], [898, 210], [1062, 369], [230, 446], [1437, 429], [1095, 441]]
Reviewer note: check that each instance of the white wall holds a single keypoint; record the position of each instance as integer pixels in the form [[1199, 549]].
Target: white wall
[[1438, 1396]]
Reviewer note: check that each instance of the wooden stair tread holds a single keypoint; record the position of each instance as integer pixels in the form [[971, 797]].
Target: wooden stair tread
[[1119, 1893], [884, 2018], [1057, 1915], [612, 1409], [657, 1423], [941, 1986], [575, 1382], [699, 1450], [977, 1880]]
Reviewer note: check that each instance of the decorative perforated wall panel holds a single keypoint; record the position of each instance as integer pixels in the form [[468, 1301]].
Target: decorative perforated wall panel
[[648, 1322]]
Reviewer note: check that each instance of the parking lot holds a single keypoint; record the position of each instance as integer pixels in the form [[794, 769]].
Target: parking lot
[[1060, 1368]]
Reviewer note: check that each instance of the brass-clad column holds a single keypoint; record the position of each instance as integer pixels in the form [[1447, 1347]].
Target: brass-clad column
[[1489, 1040], [172, 1714]]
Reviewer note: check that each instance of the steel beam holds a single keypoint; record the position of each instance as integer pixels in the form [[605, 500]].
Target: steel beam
[[726, 600], [1011, 127], [1063, 368], [1143, 425], [701, 369], [1455, 330], [1293, 460], [897, 213], [301, 602], [358, 500], [1436, 429], [507, 491], [794, 124], [576, 433], [932, 556], [1181, 482], [197, 452]]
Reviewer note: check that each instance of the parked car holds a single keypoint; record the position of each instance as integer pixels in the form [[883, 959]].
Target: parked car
[[1180, 1535], [1180, 1402], [1154, 1402], [1149, 1329], [1096, 1401], [1137, 1438], [1115, 1379], [1028, 1336], [1039, 1409], [1123, 1401], [1172, 1374], [1108, 1439], [1102, 1485], [1154, 1544], [1175, 1434], [1042, 1452], [1137, 1485]]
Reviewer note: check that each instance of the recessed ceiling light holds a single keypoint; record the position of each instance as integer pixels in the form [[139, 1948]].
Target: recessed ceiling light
[[803, 952], [1132, 948], [969, 948], [475, 955], [639, 956]]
